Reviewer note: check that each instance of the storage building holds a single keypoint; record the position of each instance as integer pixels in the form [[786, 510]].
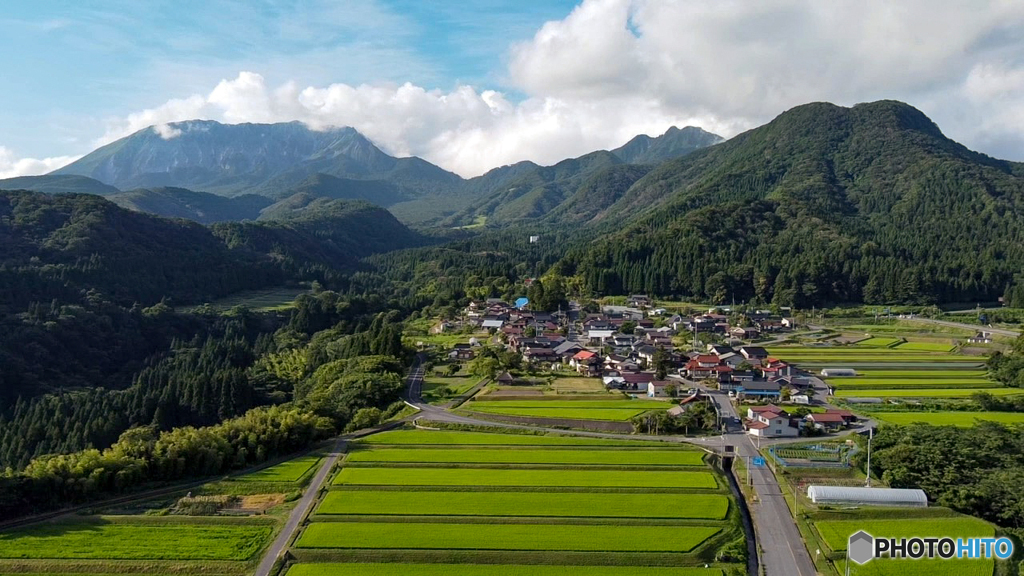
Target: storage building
[[838, 372]]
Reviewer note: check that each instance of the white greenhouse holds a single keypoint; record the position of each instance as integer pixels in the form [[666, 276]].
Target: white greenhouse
[[838, 372], [867, 496]]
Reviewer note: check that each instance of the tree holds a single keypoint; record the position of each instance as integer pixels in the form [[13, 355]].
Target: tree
[[672, 390]]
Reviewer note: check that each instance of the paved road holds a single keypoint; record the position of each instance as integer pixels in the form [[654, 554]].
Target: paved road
[[301, 510]]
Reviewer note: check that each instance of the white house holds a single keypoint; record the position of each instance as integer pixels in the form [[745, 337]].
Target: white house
[[770, 422]]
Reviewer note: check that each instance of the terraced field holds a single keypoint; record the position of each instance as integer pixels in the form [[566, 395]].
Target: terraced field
[[454, 502]]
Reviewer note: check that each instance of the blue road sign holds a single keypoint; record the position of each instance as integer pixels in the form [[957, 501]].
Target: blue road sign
[[759, 461]]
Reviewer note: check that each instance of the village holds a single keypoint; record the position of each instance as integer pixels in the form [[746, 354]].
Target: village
[[644, 351]]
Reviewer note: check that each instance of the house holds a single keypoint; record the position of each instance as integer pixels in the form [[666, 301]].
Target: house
[[566, 350], [981, 338], [744, 333], [639, 301], [848, 416], [505, 379], [731, 359], [720, 350], [535, 355], [775, 368], [462, 352], [828, 421], [586, 362], [656, 388], [637, 380], [599, 336], [762, 390], [754, 353], [770, 422], [492, 324]]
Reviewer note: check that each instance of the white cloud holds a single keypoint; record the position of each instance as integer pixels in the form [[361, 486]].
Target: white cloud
[[612, 69], [11, 165]]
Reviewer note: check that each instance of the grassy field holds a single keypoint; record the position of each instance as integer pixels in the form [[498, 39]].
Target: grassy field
[[578, 384], [492, 570], [102, 539], [435, 536], [537, 478], [290, 471], [441, 388], [962, 419], [445, 437], [531, 456], [923, 392], [595, 505]]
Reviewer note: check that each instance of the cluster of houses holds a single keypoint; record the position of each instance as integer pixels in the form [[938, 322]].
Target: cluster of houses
[[773, 422], [748, 372]]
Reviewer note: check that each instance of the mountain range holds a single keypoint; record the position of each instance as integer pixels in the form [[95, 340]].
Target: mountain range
[[198, 169]]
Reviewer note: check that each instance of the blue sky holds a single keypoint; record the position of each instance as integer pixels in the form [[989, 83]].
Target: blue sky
[[476, 84], [76, 64]]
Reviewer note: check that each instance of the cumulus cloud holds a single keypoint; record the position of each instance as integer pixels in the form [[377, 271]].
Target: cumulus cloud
[[612, 69], [11, 165]]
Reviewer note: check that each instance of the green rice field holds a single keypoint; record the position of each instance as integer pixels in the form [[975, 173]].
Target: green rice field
[[492, 570], [610, 414], [962, 419], [517, 477], [596, 505], [440, 536], [615, 402], [290, 471], [919, 374], [922, 392], [926, 346], [444, 437], [146, 540], [531, 456], [845, 383], [878, 342]]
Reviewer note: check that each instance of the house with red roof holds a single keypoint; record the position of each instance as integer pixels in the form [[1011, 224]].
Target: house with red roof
[[828, 421], [770, 422]]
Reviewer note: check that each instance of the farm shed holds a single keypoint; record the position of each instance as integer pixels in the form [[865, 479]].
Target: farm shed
[[838, 372], [867, 496]]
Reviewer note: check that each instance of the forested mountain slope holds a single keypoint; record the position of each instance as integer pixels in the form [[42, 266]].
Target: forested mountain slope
[[823, 204], [201, 207]]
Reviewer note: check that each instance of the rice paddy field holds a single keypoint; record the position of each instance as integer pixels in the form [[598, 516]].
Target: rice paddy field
[[376, 569], [444, 437], [922, 392], [476, 503], [653, 457], [355, 476], [600, 504], [614, 410], [291, 471], [962, 419]]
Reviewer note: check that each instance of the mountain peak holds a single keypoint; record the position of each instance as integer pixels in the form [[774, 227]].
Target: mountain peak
[[675, 142]]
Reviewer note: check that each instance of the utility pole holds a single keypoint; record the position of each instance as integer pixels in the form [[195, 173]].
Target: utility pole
[[870, 434], [748, 471]]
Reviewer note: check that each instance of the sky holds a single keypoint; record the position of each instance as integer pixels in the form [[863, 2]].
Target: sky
[[478, 84]]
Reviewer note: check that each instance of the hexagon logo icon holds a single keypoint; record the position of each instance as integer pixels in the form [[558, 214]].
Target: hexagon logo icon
[[861, 547]]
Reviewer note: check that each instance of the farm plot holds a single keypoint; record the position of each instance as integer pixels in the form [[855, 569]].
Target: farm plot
[[592, 505], [555, 537], [859, 382], [835, 533], [376, 569], [616, 410], [437, 388], [878, 342], [969, 374], [610, 457], [962, 419], [926, 346], [533, 478], [573, 404], [922, 392], [107, 539], [445, 437], [290, 471]]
